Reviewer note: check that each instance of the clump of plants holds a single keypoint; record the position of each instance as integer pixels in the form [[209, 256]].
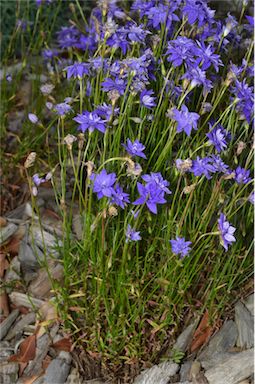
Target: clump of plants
[[150, 103]]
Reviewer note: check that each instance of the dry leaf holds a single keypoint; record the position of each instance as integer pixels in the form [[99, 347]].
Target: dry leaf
[[4, 305], [22, 367], [26, 350], [64, 344], [49, 315], [3, 222], [30, 380], [4, 264], [202, 334], [46, 362]]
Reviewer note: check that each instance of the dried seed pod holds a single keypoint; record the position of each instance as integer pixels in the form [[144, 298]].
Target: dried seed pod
[[112, 211], [30, 160], [240, 147]]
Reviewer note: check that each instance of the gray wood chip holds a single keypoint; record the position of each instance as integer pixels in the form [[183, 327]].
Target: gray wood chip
[[20, 325], [219, 345], [245, 324], [7, 232], [21, 299], [159, 374], [232, 370], [7, 323], [57, 372]]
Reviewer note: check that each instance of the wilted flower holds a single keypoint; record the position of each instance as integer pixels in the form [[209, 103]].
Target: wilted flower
[[183, 165], [62, 109], [226, 231], [30, 160], [132, 235], [251, 198], [134, 169], [46, 89], [69, 140], [180, 246], [135, 149]]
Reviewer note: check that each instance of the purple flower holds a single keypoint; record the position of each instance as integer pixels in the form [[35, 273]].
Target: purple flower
[[251, 198], [207, 57], [103, 184], [132, 235], [137, 33], [180, 246], [219, 165], [114, 85], [9, 77], [62, 109], [244, 94], [33, 118], [158, 179], [49, 53], [77, 70], [68, 36], [219, 137], [151, 194], [198, 77], [226, 231], [242, 175], [106, 111], [38, 180], [181, 50], [90, 121], [197, 10], [202, 166], [119, 197], [135, 149], [185, 120], [147, 100]]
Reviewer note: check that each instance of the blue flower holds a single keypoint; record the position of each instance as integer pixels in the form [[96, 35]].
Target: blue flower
[[207, 57], [219, 137], [137, 33], [114, 85], [245, 103], [242, 175], [198, 77], [77, 70], [203, 166], [103, 184], [158, 179], [181, 50], [185, 120], [135, 149], [68, 36], [106, 111], [226, 231], [151, 194], [90, 121], [180, 246], [62, 109], [132, 235], [147, 100], [219, 165], [38, 180], [119, 197], [197, 10]]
